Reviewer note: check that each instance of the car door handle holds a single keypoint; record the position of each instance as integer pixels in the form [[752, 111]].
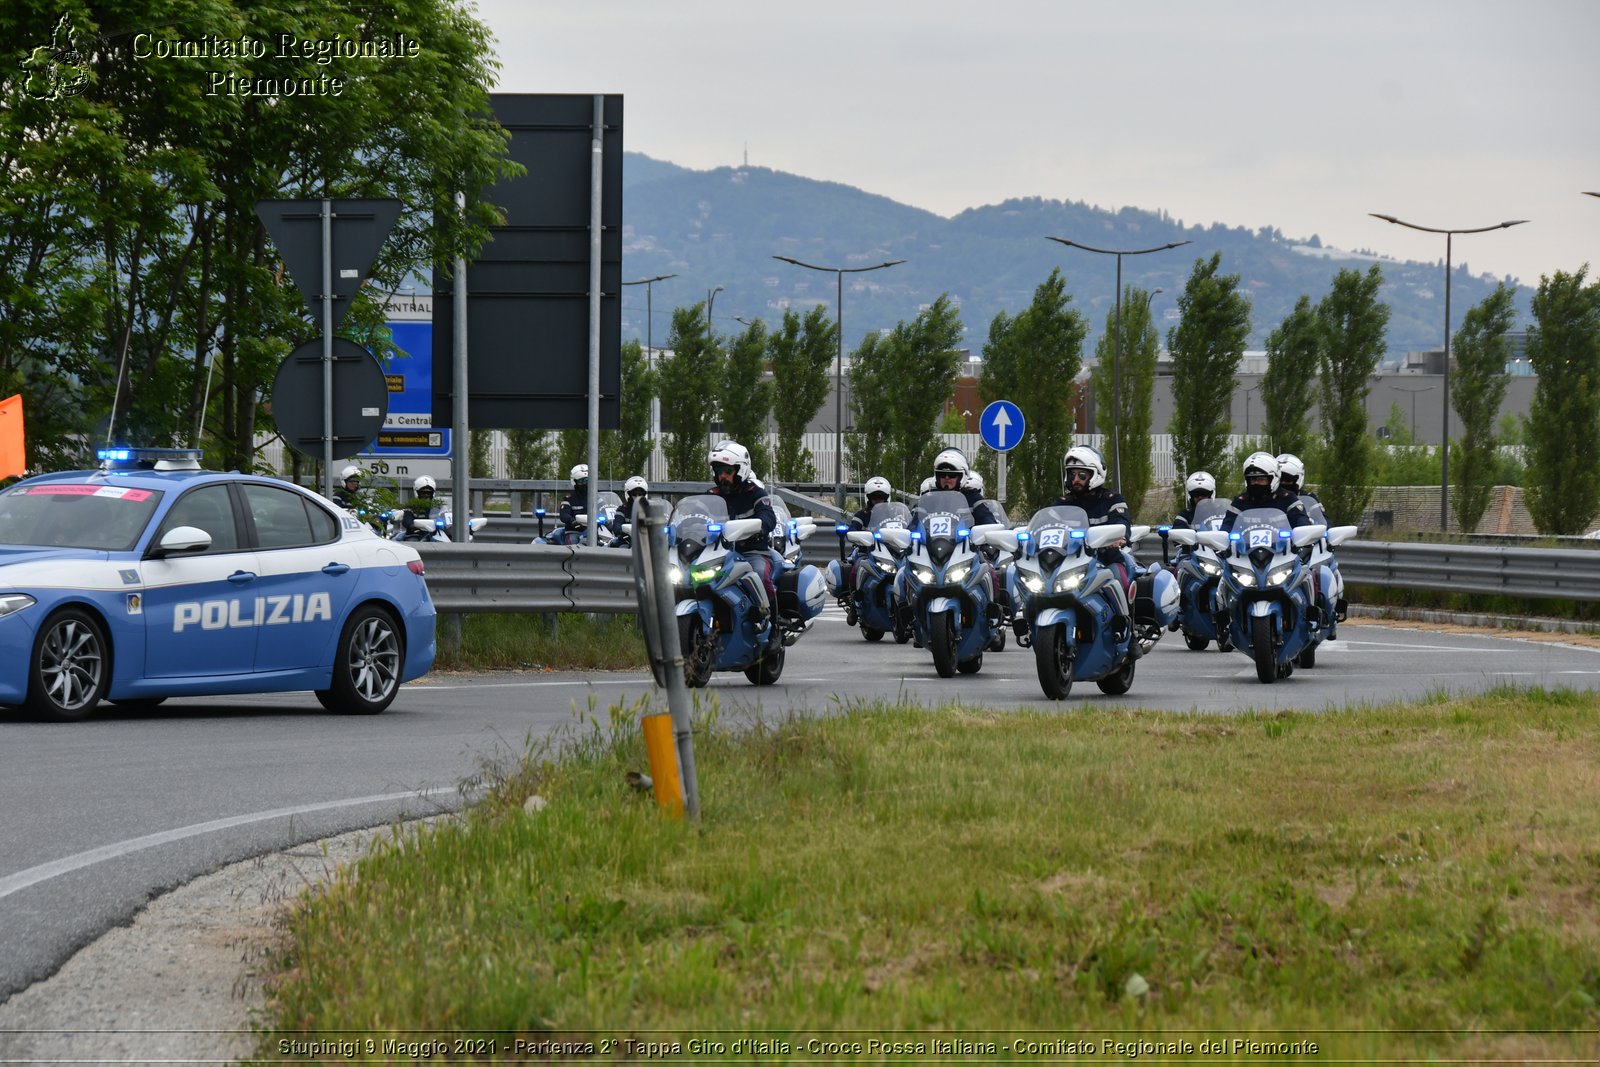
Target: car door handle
[[336, 568], [241, 577]]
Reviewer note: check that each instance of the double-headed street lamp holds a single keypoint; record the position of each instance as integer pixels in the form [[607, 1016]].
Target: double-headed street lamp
[[1444, 440], [1116, 358], [838, 381], [650, 361]]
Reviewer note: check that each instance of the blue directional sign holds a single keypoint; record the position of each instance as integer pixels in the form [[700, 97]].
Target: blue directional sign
[[1001, 425]]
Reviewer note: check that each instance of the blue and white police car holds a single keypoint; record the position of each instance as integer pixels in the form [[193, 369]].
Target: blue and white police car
[[151, 578]]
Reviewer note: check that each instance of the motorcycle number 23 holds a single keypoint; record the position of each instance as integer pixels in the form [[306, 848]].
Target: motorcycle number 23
[[1050, 539]]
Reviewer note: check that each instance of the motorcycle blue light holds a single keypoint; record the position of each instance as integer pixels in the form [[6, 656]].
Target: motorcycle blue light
[[963, 533], [916, 535], [539, 512], [1233, 536], [439, 523], [841, 527], [1283, 533], [876, 536], [1163, 529], [1078, 535], [1024, 536], [714, 528]]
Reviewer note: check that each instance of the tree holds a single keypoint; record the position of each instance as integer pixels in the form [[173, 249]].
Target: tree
[[802, 352], [1352, 321], [1033, 359], [530, 454], [139, 287], [479, 464], [625, 451], [1477, 387], [1140, 347], [1294, 352], [898, 386], [690, 380], [747, 398], [1563, 481], [1206, 346]]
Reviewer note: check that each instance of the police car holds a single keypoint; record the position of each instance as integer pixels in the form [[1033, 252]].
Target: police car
[[151, 578]]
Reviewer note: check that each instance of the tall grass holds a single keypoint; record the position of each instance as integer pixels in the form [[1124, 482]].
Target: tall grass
[[530, 642], [1400, 882]]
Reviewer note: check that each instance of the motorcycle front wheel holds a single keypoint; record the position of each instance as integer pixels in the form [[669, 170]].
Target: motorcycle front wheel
[[766, 670], [1117, 682], [943, 637], [1261, 646], [697, 650], [1052, 654]]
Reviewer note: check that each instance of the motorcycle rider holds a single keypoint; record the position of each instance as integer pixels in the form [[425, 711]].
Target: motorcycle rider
[[349, 495], [634, 489], [576, 502], [952, 473], [1262, 490], [747, 498], [926, 486], [876, 490], [416, 516], [1292, 476], [1199, 486], [1083, 485]]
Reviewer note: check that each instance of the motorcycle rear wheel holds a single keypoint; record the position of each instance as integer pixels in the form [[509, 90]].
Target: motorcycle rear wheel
[[871, 633], [766, 670], [1117, 682], [1052, 655], [1261, 646], [971, 666], [1196, 644], [1307, 657], [943, 636], [697, 651]]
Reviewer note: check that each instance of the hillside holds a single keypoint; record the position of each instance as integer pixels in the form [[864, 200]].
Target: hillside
[[722, 227]]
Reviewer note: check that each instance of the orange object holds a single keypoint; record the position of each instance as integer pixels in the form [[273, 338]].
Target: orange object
[[13, 447], [662, 748]]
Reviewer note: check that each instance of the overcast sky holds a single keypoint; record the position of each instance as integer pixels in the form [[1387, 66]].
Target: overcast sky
[[1446, 113]]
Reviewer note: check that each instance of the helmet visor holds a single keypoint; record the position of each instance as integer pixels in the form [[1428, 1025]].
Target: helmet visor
[[724, 468]]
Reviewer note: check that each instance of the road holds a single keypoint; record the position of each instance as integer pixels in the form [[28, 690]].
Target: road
[[102, 815]]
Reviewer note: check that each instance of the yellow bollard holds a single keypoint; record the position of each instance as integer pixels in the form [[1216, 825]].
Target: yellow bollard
[[662, 747]]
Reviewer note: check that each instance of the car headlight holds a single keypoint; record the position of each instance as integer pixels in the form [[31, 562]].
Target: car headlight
[[11, 603], [1069, 581], [922, 574], [956, 574]]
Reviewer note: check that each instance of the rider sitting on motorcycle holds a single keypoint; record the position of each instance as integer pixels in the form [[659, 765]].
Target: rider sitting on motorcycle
[[1083, 485], [877, 491], [747, 498], [415, 517], [1200, 486], [634, 489], [952, 473], [1262, 490], [1292, 476], [349, 495], [576, 502]]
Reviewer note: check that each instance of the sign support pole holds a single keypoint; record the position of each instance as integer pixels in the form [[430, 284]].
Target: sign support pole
[[327, 348], [596, 169], [461, 441]]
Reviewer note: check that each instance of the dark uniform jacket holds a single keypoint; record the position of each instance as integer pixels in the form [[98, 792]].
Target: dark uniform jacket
[[1102, 505], [1285, 500], [750, 501]]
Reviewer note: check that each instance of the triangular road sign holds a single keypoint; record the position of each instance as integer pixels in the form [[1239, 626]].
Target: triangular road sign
[[359, 229]]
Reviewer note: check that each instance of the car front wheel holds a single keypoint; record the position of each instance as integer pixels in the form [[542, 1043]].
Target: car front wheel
[[366, 666], [70, 667]]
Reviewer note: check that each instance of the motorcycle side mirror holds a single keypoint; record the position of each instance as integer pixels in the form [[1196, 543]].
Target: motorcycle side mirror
[[1215, 540], [1338, 535], [1307, 535]]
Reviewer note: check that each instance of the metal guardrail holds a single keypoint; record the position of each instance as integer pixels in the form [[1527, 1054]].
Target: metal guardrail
[[487, 577]]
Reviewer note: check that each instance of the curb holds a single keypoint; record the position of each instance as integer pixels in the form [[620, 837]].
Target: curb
[[1493, 622]]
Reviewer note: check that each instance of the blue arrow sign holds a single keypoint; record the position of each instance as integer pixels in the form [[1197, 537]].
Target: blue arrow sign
[[1001, 425]]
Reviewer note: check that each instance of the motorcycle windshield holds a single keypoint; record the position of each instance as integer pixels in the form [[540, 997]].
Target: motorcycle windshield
[[891, 516], [1050, 532], [1313, 508], [998, 511], [691, 518], [1260, 528], [608, 504], [1209, 515], [940, 515]]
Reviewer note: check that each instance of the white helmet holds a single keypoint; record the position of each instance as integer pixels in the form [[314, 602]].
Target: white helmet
[[636, 482], [1262, 463], [1198, 481], [1084, 458], [349, 472], [876, 485], [733, 454], [973, 480], [1289, 466], [422, 483], [950, 461], [580, 473], [927, 485]]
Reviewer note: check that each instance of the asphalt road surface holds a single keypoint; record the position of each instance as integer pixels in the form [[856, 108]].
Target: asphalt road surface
[[102, 815]]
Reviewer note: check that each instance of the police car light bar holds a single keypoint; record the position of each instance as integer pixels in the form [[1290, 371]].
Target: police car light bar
[[161, 459]]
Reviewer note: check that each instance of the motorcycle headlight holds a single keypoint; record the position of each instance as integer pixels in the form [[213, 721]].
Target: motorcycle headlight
[[884, 565], [675, 575], [1032, 583], [1280, 574], [922, 574], [11, 603], [704, 574], [1246, 579], [1069, 581], [1209, 566], [956, 574]]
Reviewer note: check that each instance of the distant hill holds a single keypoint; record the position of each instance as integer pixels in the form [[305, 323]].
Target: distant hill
[[722, 227]]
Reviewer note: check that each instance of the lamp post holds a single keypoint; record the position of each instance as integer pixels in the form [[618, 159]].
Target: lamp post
[[1247, 394], [1413, 392], [650, 361], [1444, 437], [1116, 357], [838, 380]]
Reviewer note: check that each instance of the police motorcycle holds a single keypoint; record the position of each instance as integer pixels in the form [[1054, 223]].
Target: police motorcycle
[[1199, 569], [435, 526], [1071, 604], [1265, 589], [1330, 580], [789, 532], [717, 625], [607, 503], [944, 582], [870, 602]]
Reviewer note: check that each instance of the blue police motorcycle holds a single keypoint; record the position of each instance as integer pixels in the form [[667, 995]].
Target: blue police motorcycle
[[1265, 589], [945, 582], [1199, 569], [870, 602], [608, 503], [1072, 604], [715, 587]]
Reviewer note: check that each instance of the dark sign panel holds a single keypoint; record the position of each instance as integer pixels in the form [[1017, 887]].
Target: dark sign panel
[[528, 290]]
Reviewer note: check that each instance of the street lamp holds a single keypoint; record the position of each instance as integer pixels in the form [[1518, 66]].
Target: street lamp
[[711, 299], [650, 361], [1247, 394], [1116, 357], [838, 381], [1444, 437], [1413, 392]]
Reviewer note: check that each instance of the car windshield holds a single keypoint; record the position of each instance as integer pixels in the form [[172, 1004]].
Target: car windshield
[[104, 518]]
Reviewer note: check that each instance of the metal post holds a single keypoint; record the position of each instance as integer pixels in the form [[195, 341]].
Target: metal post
[[1116, 384], [838, 394], [652, 522], [650, 361], [461, 445], [327, 347], [1444, 442], [596, 160]]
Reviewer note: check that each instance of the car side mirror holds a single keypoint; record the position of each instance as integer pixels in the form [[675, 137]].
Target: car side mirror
[[180, 540]]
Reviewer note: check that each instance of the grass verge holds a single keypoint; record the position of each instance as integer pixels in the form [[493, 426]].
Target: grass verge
[[1399, 882], [561, 642]]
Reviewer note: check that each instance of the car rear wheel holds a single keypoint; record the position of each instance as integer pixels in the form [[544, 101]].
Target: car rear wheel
[[69, 669], [366, 665]]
